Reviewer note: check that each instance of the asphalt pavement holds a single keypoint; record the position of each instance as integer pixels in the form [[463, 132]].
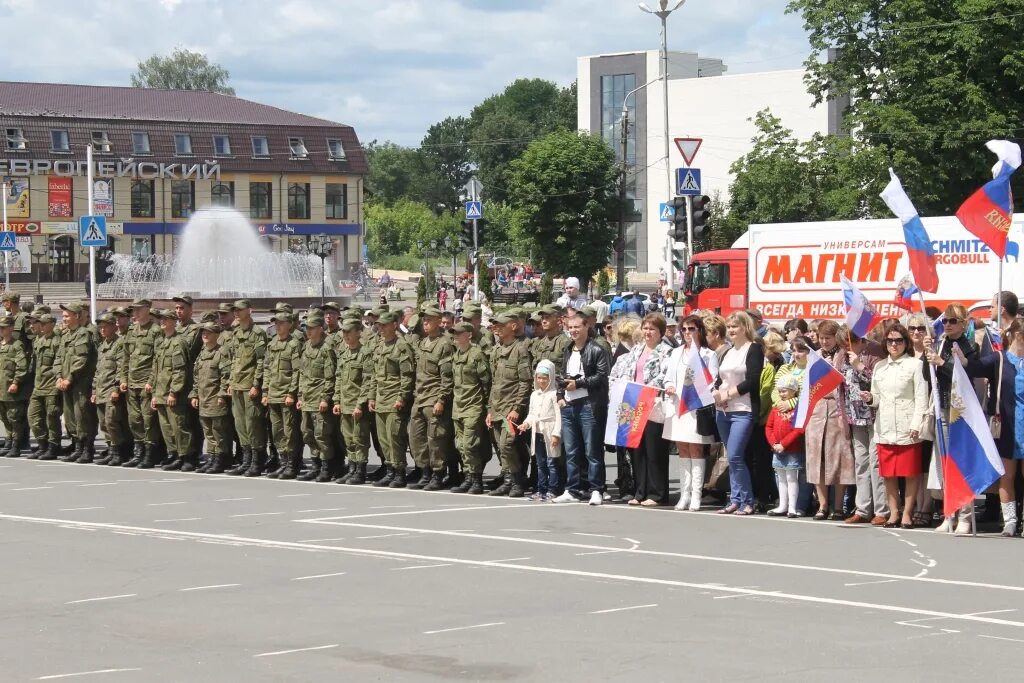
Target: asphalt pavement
[[111, 574]]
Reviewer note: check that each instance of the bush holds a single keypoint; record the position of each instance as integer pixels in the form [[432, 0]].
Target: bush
[[603, 282], [547, 286], [421, 291]]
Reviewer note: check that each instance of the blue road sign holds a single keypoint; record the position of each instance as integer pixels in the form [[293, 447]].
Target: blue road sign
[[666, 212], [688, 182], [92, 231], [8, 241], [474, 210]]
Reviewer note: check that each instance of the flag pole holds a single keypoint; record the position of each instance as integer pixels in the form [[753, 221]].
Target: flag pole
[[940, 424]]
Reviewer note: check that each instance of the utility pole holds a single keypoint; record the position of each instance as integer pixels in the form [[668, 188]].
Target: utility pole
[[7, 263], [92, 250], [620, 245], [474, 188]]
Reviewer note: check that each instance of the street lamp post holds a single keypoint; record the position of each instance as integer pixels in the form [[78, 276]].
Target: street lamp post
[[662, 14], [39, 252], [321, 245]]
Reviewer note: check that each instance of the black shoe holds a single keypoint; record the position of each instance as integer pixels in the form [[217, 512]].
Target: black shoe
[[219, 464], [52, 454], [242, 467], [291, 467], [259, 457], [378, 473], [73, 456], [207, 464], [506, 485], [314, 470], [467, 483], [149, 459], [389, 475], [476, 484], [327, 469], [39, 451], [113, 456], [174, 462], [518, 489], [436, 482], [496, 482], [358, 474], [425, 475], [399, 481], [137, 454], [190, 463], [13, 452]]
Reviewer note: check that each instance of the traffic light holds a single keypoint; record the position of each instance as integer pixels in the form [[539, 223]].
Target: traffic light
[[481, 230], [679, 255], [678, 230], [700, 214], [466, 239]]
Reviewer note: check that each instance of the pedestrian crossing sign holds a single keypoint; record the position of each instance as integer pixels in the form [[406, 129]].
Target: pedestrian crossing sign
[[688, 182], [92, 231], [666, 212], [8, 242], [474, 210]]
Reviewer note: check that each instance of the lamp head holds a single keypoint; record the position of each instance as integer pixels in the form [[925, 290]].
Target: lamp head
[[645, 8]]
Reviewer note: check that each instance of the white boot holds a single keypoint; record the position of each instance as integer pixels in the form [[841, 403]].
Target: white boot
[[783, 507], [1009, 518], [944, 527], [684, 483], [963, 522], [697, 482]]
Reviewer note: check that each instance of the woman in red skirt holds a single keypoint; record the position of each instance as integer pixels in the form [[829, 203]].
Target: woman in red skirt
[[900, 394]]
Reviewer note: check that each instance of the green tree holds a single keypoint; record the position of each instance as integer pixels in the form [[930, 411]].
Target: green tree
[[392, 230], [547, 290], [182, 70], [928, 83], [603, 282], [397, 172], [445, 154], [565, 185]]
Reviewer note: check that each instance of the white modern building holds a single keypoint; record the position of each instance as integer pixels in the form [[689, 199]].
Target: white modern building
[[704, 102]]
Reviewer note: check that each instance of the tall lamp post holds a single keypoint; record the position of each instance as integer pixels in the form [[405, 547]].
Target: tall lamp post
[[662, 14], [322, 246], [39, 252]]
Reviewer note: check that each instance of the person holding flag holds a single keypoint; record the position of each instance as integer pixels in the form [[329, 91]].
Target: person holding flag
[[988, 213], [919, 245], [691, 373], [905, 292], [861, 316]]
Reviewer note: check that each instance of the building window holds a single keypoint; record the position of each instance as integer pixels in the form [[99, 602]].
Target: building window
[[142, 199], [182, 144], [260, 147], [223, 193], [59, 141], [613, 92], [298, 148], [100, 141], [221, 146], [337, 200], [140, 143], [298, 200], [261, 200], [16, 139], [183, 198], [336, 149]]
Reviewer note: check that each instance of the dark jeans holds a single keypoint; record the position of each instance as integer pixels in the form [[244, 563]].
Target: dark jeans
[[581, 436], [734, 429], [650, 465], [548, 480], [759, 462]]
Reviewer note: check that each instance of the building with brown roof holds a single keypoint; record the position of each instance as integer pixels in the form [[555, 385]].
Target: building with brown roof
[[159, 155]]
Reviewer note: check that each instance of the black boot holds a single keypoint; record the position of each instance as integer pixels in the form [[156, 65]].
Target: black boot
[[174, 462], [518, 489], [14, 451], [348, 474], [476, 484], [467, 483], [378, 473], [327, 470], [291, 467], [190, 463], [274, 461], [206, 465], [389, 475], [357, 475], [113, 456], [276, 472], [259, 459], [87, 455], [52, 454], [341, 470], [242, 467], [425, 475], [496, 482], [137, 455], [219, 463], [104, 456], [74, 455], [506, 485], [314, 469], [149, 457], [399, 481], [455, 476], [40, 450], [436, 481]]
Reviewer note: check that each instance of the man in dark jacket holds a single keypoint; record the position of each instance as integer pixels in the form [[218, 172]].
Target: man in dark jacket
[[583, 389]]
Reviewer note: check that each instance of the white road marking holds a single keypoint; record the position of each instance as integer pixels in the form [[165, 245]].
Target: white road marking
[[511, 559], [320, 510], [529, 531], [366, 538], [9, 483], [226, 500], [319, 540], [258, 514], [68, 481], [301, 649], [203, 588], [1012, 640], [102, 483], [601, 552], [179, 519], [84, 673], [421, 566], [294, 495], [727, 597], [389, 507], [78, 509], [463, 628], [108, 597], [871, 583], [625, 578], [340, 493], [580, 533], [75, 528], [31, 488], [317, 576], [427, 511], [622, 609], [180, 502]]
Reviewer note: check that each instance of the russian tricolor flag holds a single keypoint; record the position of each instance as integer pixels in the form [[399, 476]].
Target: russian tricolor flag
[[861, 316], [697, 387], [906, 289], [819, 380], [973, 463], [919, 245], [629, 407], [988, 213]]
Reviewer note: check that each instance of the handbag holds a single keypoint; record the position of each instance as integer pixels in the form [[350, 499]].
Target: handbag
[[995, 423], [706, 425], [927, 432]]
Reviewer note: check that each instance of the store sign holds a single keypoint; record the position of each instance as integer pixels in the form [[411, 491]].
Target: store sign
[[17, 196], [58, 192], [53, 228], [276, 229], [123, 168], [103, 197]]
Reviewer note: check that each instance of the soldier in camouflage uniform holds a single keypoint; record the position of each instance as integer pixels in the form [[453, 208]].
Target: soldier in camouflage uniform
[[370, 338], [248, 347], [473, 313], [189, 329], [74, 367], [316, 394], [391, 386], [45, 405], [430, 425], [210, 397], [351, 397], [472, 378], [123, 319], [136, 371], [170, 382], [280, 389], [111, 406], [511, 383], [14, 386], [22, 333]]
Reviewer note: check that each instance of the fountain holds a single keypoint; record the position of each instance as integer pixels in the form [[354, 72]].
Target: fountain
[[220, 257]]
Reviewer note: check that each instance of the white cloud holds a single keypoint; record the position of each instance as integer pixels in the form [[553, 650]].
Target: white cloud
[[388, 67]]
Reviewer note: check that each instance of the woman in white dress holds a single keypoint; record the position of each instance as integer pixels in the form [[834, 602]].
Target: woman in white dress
[[682, 429]]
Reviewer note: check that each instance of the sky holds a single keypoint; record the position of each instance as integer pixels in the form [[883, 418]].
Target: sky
[[390, 68]]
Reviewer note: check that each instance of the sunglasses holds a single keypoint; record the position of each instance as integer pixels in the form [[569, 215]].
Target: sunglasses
[[916, 328], [951, 321], [896, 342], [688, 329]]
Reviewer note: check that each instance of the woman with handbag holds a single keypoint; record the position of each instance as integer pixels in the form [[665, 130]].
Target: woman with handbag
[[646, 364], [900, 396], [921, 339], [1006, 406], [695, 429]]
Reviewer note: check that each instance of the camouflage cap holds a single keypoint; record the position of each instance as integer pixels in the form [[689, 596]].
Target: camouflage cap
[[165, 314], [314, 320], [414, 320], [588, 312], [119, 310], [183, 299], [106, 318], [211, 327], [388, 317], [377, 312], [72, 307], [43, 309], [460, 327], [430, 311], [46, 319], [356, 309], [224, 307], [535, 317], [332, 306], [140, 303], [241, 303], [351, 324], [12, 296], [550, 309], [353, 314], [208, 317], [503, 318], [283, 317], [6, 321], [282, 306]]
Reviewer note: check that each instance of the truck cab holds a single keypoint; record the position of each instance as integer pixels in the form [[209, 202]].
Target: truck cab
[[717, 281]]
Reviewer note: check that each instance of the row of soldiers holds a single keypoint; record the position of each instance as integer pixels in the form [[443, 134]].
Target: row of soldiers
[[161, 385]]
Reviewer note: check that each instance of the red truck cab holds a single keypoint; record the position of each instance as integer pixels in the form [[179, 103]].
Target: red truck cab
[[717, 281]]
